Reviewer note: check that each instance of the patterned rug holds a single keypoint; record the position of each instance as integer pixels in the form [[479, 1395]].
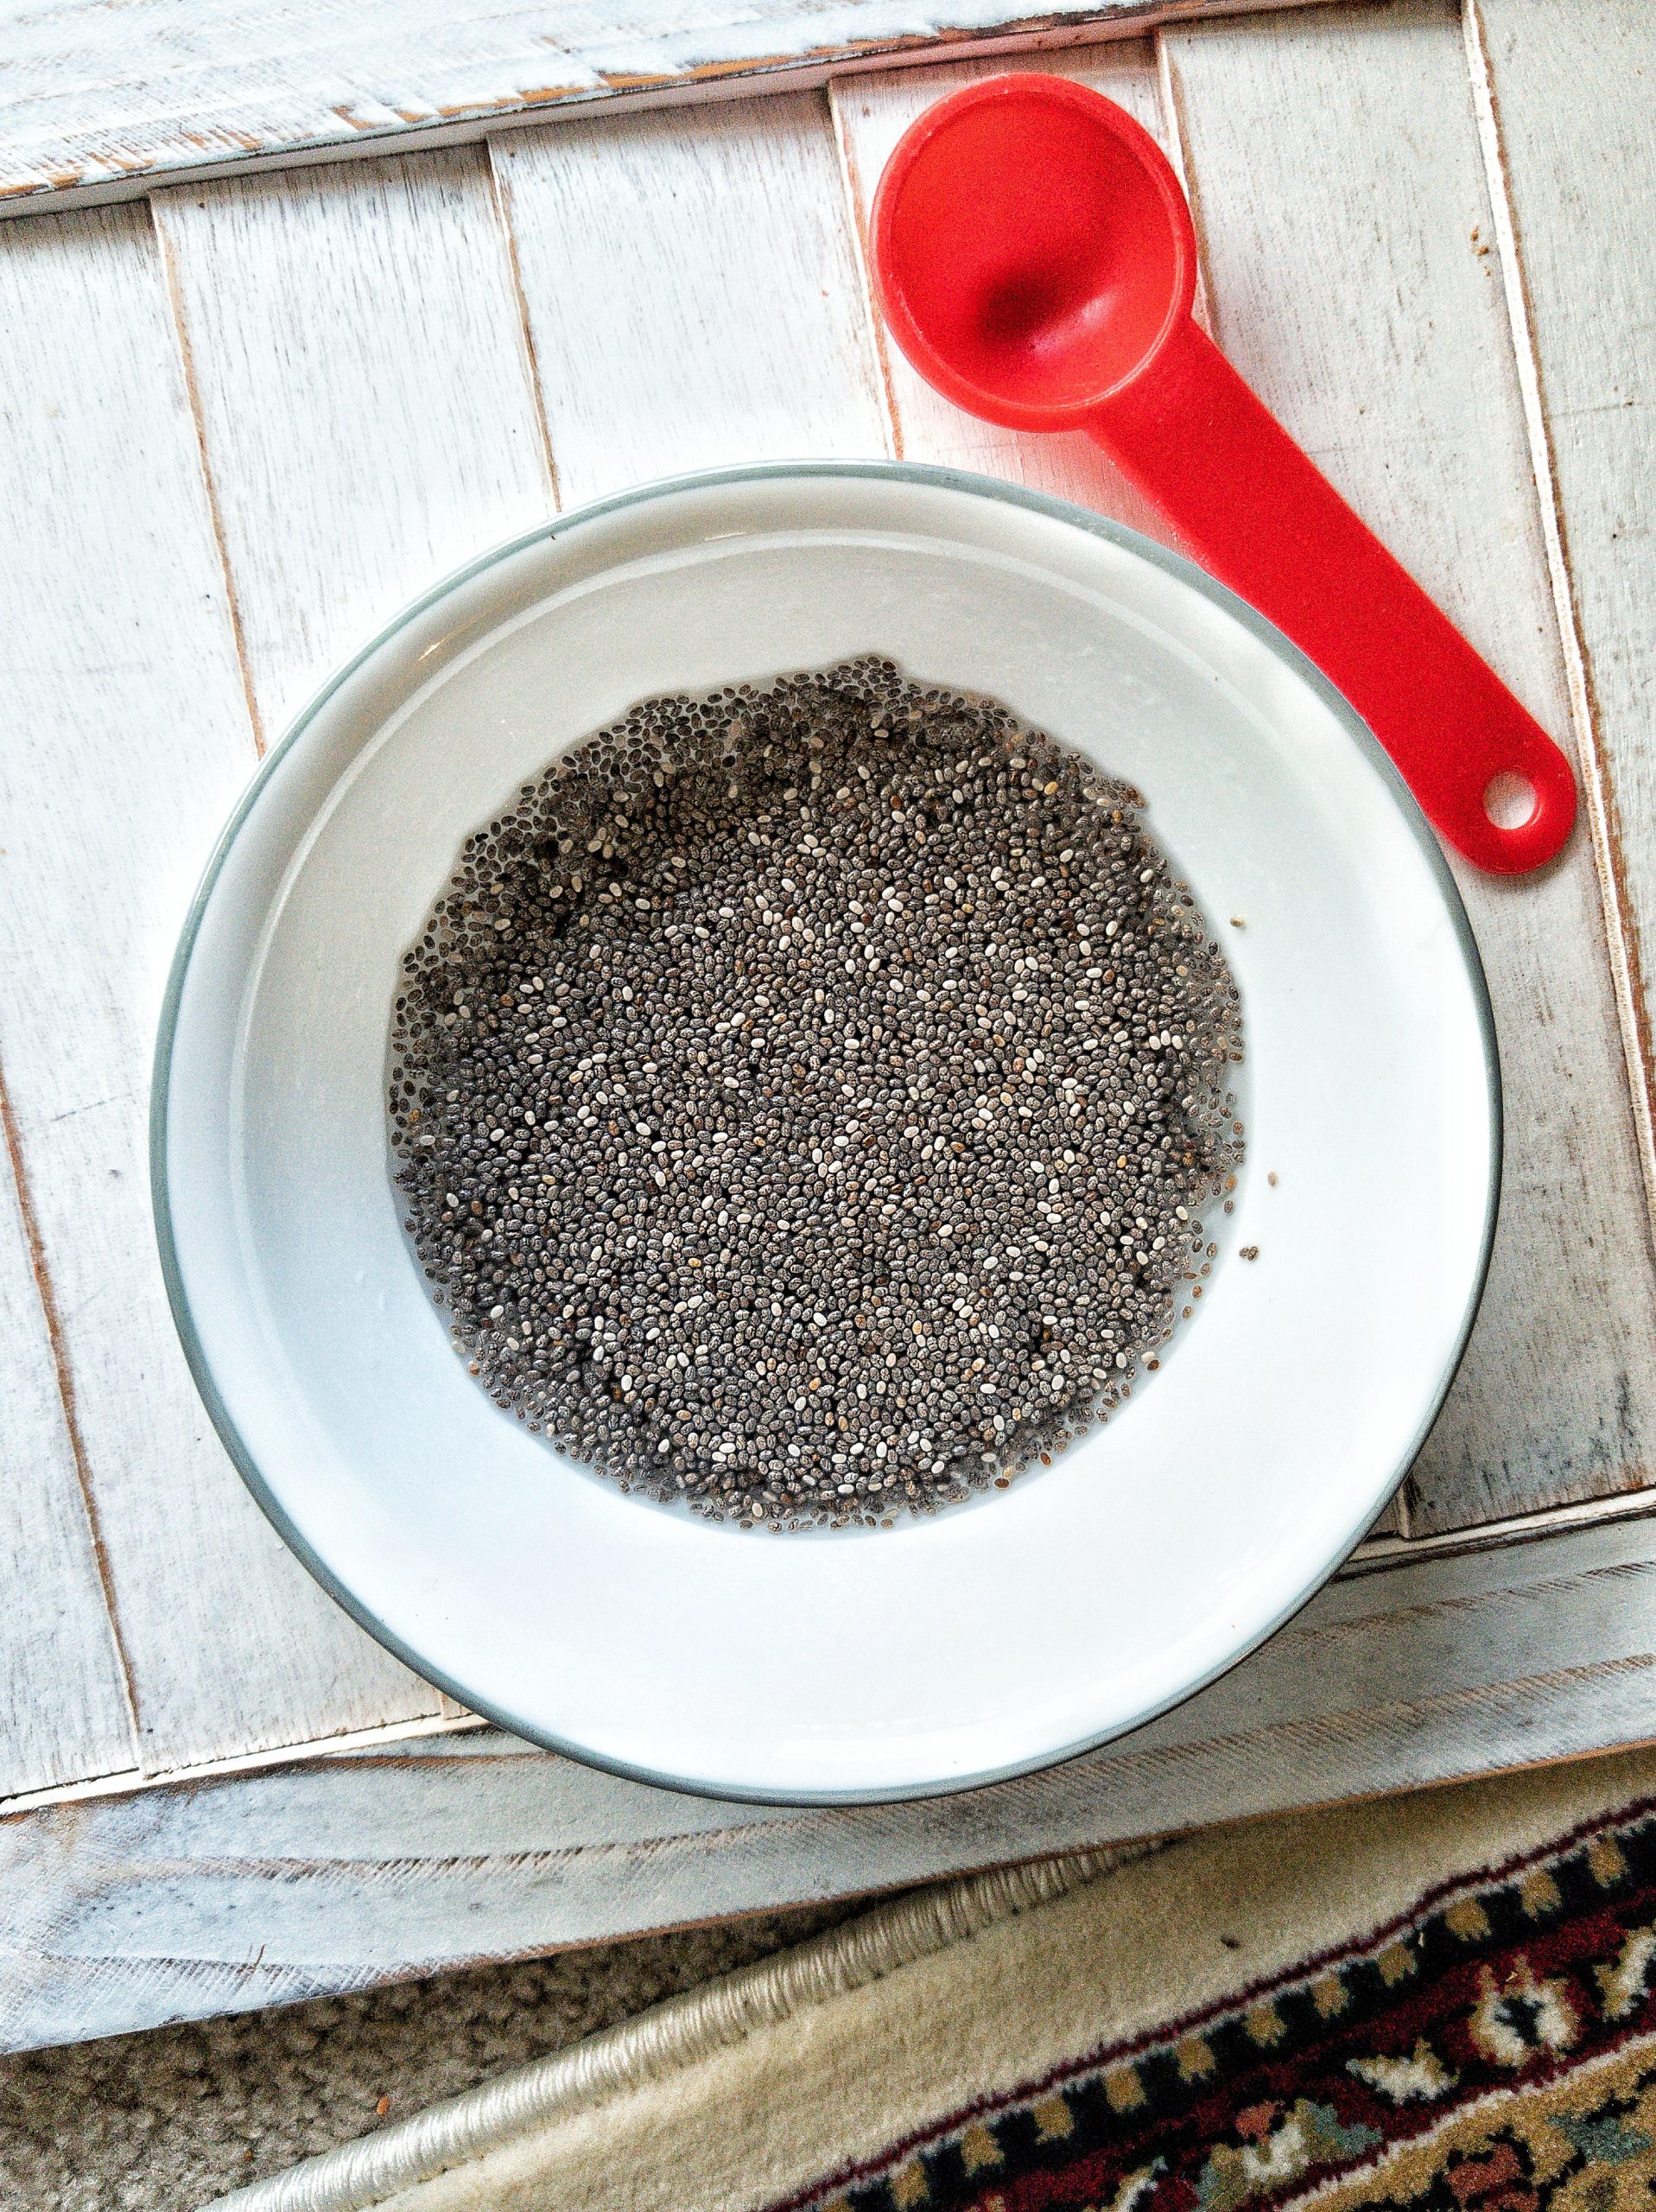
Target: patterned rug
[[1493, 2050], [1438, 2004]]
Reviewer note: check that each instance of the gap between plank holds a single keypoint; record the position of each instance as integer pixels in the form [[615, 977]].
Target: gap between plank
[[47, 1297], [1167, 85], [1176, 135], [1204, 308], [187, 365], [500, 200], [878, 342], [1622, 942], [131, 1781], [1178, 152]]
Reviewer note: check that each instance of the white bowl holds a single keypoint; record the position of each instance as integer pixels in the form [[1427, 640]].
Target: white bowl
[[1005, 1633]]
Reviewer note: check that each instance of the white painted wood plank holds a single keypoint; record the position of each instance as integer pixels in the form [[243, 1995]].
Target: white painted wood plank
[[1372, 321], [871, 114], [64, 1712], [124, 742], [103, 100], [1574, 121], [180, 1903], [691, 290], [357, 364], [366, 412]]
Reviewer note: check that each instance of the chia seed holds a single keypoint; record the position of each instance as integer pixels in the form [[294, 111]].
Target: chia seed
[[804, 1099]]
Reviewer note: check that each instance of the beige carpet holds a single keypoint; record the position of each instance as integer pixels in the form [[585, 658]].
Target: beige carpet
[[162, 2122]]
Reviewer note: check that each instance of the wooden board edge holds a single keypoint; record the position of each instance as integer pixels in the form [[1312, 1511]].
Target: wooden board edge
[[118, 1912], [132, 1781], [11, 1154], [1376, 1554], [1383, 1550], [1072, 22]]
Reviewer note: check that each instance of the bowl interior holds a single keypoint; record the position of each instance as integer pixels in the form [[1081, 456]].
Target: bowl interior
[[1028, 241], [997, 1635]]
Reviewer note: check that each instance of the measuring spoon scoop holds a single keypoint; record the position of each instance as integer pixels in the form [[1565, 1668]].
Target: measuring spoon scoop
[[1036, 261]]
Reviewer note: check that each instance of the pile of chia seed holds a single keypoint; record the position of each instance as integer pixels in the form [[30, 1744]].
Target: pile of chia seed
[[805, 1099]]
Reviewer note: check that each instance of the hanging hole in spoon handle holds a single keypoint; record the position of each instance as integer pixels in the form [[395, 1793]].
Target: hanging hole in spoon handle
[[1256, 511], [1510, 799]]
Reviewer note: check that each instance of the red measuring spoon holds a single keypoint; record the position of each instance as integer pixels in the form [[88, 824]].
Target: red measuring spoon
[[1036, 261]]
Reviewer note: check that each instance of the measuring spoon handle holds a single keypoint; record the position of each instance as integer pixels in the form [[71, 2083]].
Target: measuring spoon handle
[[1250, 506]]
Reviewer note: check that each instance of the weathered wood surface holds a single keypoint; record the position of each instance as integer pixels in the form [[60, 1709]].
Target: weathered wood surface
[[124, 742], [188, 1901], [1574, 124], [367, 418], [1374, 323], [332, 385], [64, 1708], [692, 295], [100, 102]]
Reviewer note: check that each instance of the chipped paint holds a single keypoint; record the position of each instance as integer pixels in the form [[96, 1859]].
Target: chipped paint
[[112, 134], [521, 102]]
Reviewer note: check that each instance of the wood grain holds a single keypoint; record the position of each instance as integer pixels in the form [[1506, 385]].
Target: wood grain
[[1372, 321], [692, 293], [124, 742], [100, 102], [183, 1903], [350, 351], [1574, 123], [366, 413], [64, 1709]]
